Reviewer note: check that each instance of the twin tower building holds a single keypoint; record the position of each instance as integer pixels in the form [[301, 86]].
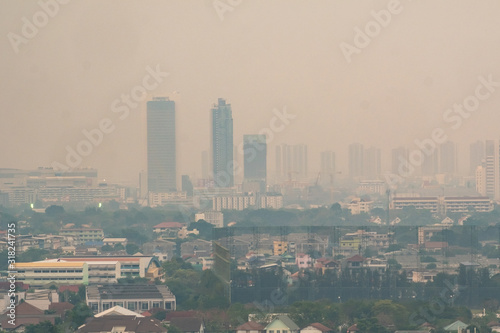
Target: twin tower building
[[161, 148]]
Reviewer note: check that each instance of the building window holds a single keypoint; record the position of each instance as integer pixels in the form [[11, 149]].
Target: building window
[[145, 306], [105, 306], [168, 306], [131, 306], [156, 304], [94, 306]]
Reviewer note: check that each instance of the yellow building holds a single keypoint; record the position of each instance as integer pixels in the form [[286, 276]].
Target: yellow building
[[279, 247], [43, 273], [350, 242]]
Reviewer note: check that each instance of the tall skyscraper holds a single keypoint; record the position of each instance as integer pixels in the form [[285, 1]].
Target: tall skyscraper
[[327, 166], [255, 157], [356, 160], [222, 144], [299, 161], [278, 164], [491, 169], [448, 158], [293, 161], [476, 155], [400, 162], [430, 164], [255, 163], [372, 163], [162, 174]]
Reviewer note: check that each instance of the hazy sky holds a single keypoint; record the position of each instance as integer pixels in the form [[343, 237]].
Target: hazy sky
[[263, 55]]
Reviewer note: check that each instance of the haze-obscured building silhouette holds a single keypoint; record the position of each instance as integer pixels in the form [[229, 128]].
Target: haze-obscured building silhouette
[[222, 144], [162, 173]]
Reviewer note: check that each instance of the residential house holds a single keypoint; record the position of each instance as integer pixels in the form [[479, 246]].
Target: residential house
[[282, 324], [324, 264], [168, 228], [198, 247], [188, 324], [26, 314], [316, 328], [457, 326], [304, 261], [162, 249], [355, 262], [353, 328], [494, 326], [61, 308], [250, 327]]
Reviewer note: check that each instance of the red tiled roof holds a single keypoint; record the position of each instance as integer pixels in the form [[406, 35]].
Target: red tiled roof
[[26, 321], [26, 309], [321, 327], [250, 326], [6, 285], [435, 245], [353, 328], [73, 288], [169, 225], [356, 258], [61, 307]]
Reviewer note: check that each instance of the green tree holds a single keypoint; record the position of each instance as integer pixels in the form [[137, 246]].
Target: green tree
[[78, 314], [54, 210], [132, 248]]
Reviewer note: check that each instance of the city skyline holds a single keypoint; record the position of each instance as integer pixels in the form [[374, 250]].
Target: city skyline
[[379, 99]]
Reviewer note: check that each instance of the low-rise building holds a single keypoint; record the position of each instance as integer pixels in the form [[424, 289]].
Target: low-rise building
[[316, 328], [358, 206], [114, 241], [280, 247], [137, 298], [43, 273], [129, 266], [83, 235], [213, 217]]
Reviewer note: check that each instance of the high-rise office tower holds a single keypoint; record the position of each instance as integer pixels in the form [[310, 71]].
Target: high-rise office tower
[[400, 161], [293, 161], [356, 160], [222, 144], [255, 162], [430, 164], [162, 174], [448, 157], [372, 163], [476, 155], [327, 165], [491, 169], [255, 157], [299, 161], [278, 165]]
